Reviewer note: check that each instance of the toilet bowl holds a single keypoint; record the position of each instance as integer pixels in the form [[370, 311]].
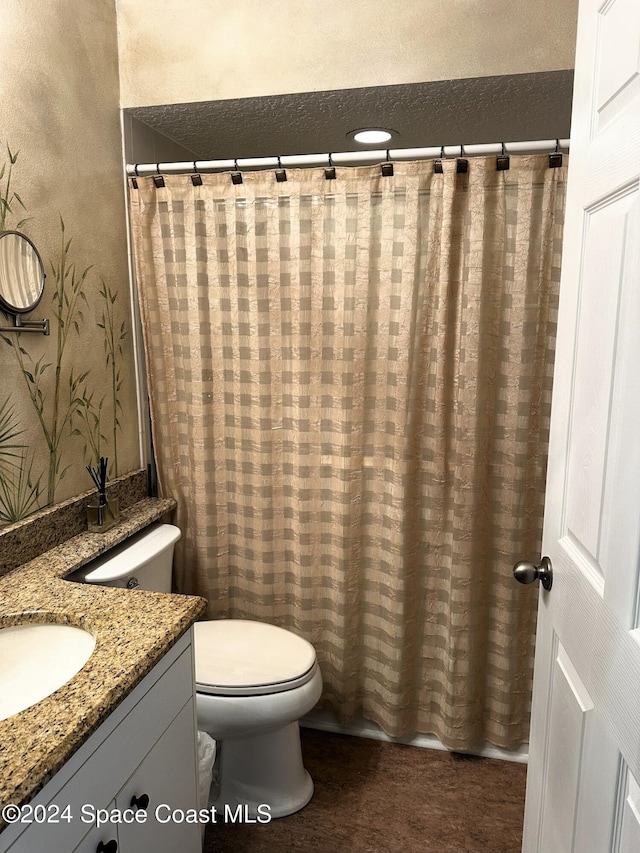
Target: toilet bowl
[[254, 681]]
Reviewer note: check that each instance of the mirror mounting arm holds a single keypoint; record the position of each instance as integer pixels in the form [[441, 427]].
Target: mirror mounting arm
[[20, 325]]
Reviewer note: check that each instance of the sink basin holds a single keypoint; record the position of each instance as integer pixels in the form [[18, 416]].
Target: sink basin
[[37, 659]]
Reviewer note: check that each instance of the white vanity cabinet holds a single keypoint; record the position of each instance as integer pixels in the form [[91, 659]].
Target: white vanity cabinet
[[144, 756]]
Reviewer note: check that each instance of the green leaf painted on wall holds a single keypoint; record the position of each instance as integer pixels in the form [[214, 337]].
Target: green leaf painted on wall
[[78, 414]]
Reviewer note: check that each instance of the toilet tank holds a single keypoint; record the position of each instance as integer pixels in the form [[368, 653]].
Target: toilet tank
[[144, 560]]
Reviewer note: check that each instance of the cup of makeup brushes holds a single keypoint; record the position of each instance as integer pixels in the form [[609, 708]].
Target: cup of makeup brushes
[[103, 511]]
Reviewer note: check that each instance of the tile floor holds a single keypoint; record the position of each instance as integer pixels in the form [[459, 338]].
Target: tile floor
[[377, 797]]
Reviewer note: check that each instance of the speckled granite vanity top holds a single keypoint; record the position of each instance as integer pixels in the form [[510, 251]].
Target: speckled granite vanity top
[[133, 630]]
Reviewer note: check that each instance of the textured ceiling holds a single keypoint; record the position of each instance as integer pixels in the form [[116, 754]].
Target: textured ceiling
[[483, 109]]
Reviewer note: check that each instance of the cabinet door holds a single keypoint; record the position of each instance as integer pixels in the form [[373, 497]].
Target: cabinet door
[[168, 778], [102, 839], [108, 760]]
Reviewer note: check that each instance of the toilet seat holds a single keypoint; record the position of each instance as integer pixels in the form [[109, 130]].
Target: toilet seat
[[241, 657]]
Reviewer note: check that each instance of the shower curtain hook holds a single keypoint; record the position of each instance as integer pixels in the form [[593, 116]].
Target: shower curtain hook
[[236, 177], [330, 171], [281, 174], [158, 180], [196, 178], [462, 166], [555, 159], [502, 161], [387, 167], [437, 163]]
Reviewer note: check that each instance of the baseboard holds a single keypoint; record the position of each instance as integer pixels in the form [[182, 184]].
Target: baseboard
[[326, 721]]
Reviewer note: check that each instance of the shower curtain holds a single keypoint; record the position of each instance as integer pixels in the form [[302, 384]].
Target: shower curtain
[[350, 386]]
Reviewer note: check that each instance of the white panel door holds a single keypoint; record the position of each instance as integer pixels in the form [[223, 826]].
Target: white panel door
[[583, 788]]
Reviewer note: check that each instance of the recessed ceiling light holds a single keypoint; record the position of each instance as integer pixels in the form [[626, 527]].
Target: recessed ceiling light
[[371, 135]]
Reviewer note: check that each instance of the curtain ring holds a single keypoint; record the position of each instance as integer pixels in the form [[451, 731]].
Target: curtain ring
[[135, 170], [195, 167], [158, 168]]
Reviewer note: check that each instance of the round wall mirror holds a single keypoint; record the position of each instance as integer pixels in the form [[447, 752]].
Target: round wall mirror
[[21, 273]]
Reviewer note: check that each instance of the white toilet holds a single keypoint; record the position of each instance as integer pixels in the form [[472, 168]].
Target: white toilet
[[254, 681]]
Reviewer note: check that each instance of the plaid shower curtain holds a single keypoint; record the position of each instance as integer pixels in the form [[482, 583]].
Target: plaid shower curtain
[[350, 386]]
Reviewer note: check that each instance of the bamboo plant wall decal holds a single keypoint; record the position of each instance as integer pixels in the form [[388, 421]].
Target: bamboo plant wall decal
[[113, 349], [88, 411], [68, 292], [19, 493], [70, 403], [9, 432], [7, 195], [19, 489], [86, 418]]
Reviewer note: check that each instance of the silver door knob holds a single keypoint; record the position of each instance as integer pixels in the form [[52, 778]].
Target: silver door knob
[[526, 572]]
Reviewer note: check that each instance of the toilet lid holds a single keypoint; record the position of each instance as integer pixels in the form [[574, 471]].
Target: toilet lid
[[241, 657]]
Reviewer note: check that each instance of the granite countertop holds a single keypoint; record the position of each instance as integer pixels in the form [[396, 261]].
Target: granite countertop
[[133, 630]]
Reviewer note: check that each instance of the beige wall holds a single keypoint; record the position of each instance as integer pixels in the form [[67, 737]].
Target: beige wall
[[59, 111], [172, 52], [59, 100]]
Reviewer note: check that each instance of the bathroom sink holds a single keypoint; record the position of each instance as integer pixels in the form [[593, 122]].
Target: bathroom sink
[[36, 659]]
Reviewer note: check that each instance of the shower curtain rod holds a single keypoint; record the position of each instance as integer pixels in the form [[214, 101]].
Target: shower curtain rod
[[350, 158]]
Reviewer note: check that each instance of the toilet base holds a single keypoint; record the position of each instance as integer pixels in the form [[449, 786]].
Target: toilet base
[[263, 769]]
